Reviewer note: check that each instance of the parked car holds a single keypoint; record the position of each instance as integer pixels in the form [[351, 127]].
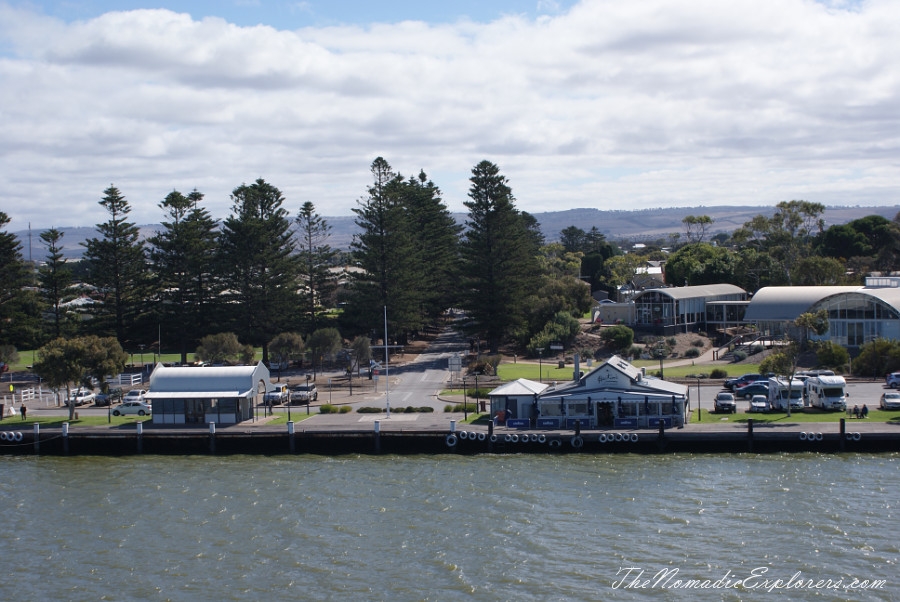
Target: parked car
[[890, 400], [134, 395], [304, 393], [759, 403], [893, 380], [108, 398], [724, 402], [81, 396], [277, 395], [741, 381], [754, 388], [132, 407]]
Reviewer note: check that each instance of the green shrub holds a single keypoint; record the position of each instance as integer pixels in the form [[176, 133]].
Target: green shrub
[[369, 410], [448, 408], [635, 351], [698, 343], [327, 408], [692, 352], [346, 409], [754, 349], [618, 337], [671, 341], [718, 373], [739, 356], [409, 410]]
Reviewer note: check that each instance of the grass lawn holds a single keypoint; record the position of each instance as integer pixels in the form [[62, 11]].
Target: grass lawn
[[550, 371], [57, 421], [808, 415]]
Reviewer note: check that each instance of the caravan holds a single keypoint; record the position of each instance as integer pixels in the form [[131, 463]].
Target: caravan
[[780, 392], [827, 392]]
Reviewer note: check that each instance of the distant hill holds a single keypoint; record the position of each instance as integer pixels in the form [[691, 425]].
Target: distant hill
[[615, 225]]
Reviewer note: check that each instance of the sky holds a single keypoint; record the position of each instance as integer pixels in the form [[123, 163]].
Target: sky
[[582, 104]]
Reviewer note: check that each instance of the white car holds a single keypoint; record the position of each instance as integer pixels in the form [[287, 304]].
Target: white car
[[890, 400], [759, 403], [132, 407], [277, 395], [81, 397], [134, 395]]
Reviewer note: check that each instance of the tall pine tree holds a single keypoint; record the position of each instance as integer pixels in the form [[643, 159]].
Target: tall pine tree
[[54, 278], [13, 278], [315, 259], [386, 251], [116, 266], [499, 266], [258, 266], [183, 256]]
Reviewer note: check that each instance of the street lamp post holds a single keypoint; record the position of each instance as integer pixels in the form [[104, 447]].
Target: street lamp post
[[476, 392], [465, 403], [540, 351]]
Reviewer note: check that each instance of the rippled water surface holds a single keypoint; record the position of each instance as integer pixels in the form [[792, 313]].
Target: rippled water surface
[[447, 527]]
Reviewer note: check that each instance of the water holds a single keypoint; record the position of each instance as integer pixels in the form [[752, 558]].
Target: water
[[444, 527]]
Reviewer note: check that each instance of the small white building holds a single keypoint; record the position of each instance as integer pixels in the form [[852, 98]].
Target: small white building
[[515, 400], [190, 395]]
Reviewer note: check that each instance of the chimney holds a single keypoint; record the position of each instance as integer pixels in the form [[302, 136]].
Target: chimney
[[577, 372]]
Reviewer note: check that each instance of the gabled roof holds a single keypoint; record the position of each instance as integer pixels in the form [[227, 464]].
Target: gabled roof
[[521, 386], [636, 382]]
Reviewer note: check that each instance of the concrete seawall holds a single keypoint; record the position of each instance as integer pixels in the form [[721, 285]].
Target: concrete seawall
[[808, 437]]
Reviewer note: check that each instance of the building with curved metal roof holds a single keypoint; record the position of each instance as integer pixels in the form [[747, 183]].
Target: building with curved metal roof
[[856, 314]]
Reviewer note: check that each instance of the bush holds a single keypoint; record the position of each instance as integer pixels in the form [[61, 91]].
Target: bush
[[698, 343], [754, 349], [692, 352], [426, 409], [369, 410], [346, 409], [618, 337], [740, 356], [671, 341], [718, 373], [327, 408]]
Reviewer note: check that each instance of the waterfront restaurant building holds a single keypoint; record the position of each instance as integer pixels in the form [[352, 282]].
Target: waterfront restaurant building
[[614, 394], [667, 311], [192, 395]]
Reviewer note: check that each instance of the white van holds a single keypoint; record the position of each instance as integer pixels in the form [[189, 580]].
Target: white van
[[779, 392], [827, 392]]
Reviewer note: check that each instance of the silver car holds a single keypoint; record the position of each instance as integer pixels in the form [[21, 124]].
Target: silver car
[[890, 400]]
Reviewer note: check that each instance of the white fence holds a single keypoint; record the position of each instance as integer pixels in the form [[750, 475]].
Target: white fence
[[130, 379]]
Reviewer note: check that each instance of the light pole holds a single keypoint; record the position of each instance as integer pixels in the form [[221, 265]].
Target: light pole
[[540, 351], [465, 403]]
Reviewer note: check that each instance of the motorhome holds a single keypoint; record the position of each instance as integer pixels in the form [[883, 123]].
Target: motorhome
[[780, 391], [827, 392]]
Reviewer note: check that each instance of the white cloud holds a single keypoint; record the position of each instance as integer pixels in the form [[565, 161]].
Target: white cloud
[[609, 105]]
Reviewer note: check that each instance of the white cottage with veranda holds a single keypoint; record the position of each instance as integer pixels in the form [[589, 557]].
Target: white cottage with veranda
[[614, 394], [192, 395]]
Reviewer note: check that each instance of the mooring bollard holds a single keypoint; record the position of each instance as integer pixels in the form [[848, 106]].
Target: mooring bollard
[[140, 437], [37, 437], [452, 426], [291, 444], [843, 432], [212, 437], [377, 436], [65, 437]]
